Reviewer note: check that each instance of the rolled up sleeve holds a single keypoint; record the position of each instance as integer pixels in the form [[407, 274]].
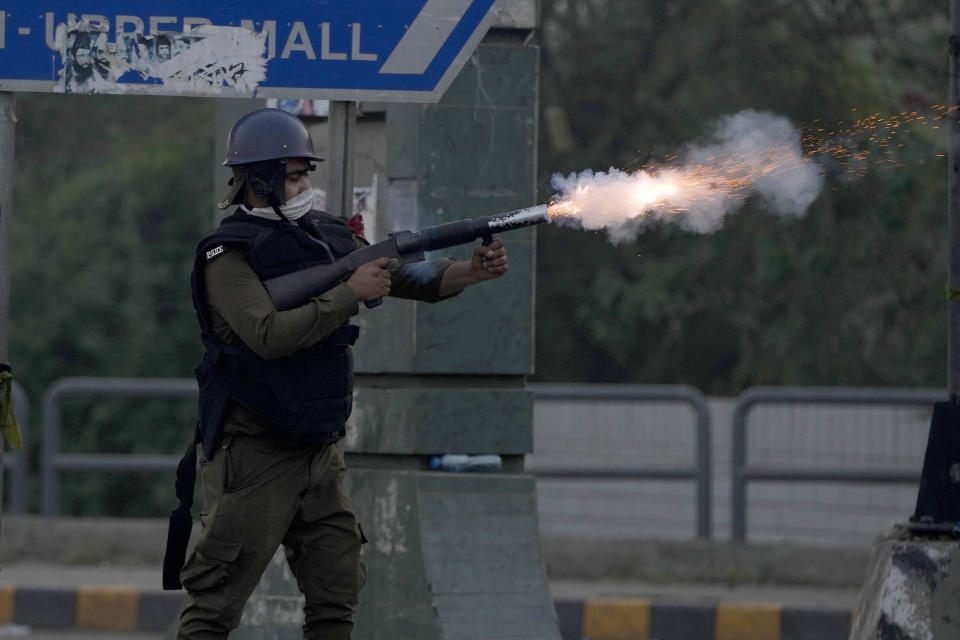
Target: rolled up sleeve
[[418, 280]]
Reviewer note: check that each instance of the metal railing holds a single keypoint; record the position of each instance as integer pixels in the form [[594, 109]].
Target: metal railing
[[742, 472], [699, 472], [53, 461], [16, 462]]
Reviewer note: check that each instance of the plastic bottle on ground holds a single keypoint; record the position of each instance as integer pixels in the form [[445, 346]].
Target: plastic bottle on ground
[[458, 462]]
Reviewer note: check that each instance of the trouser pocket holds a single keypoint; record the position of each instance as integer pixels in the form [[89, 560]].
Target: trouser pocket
[[210, 565]]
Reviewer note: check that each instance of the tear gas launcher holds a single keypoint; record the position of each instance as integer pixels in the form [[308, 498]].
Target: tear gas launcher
[[292, 289]]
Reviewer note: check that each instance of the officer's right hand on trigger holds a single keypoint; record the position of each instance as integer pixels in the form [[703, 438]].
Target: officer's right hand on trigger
[[371, 281]]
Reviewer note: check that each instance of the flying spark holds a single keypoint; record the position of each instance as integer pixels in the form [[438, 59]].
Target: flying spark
[[870, 141]]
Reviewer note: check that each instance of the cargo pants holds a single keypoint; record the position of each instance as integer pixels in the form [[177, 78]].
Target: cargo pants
[[259, 492]]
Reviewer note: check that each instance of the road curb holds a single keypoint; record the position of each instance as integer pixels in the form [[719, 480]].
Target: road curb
[[641, 618], [116, 608], [104, 608]]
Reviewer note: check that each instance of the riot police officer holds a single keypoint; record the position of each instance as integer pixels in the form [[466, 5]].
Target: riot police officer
[[276, 386]]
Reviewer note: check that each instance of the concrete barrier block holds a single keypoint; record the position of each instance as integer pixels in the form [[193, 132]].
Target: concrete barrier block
[[457, 554], [912, 588]]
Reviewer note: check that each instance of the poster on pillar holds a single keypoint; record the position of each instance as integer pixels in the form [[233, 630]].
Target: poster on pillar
[[378, 50]]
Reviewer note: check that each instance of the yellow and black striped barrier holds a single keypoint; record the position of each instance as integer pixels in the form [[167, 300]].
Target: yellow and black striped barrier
[[642, 619], [115, 608], [99, 607]]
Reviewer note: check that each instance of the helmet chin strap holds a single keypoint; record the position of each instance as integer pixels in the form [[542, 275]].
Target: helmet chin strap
[[275, 205], [270, 186], [276, 209]]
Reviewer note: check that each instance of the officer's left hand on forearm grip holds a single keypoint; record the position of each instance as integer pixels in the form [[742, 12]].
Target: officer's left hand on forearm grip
[[490, 261]]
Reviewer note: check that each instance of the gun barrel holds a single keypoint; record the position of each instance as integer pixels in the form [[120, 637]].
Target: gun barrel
[[450, 234], [519, 218]]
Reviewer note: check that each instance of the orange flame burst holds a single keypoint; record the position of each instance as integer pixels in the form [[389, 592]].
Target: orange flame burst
[[710, 181], [670, 188]]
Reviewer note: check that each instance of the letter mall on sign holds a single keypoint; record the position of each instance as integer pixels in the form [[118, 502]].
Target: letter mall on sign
[[365, 49]]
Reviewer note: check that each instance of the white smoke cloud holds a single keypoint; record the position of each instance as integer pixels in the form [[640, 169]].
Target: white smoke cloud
[[753, 153]]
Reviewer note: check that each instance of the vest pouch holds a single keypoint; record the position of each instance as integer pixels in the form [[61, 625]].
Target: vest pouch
[[306, 395], [263, 386], [326, 373], [327, 393], [323, 421]]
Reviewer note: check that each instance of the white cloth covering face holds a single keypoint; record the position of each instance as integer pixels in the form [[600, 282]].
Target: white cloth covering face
[[293, 209]]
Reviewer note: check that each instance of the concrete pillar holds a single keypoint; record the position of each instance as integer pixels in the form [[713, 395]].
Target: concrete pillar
[[450, 555], [911, 590]]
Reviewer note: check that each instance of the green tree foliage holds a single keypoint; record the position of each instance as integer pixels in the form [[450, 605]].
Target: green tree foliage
[[850, 294], [111, 196]]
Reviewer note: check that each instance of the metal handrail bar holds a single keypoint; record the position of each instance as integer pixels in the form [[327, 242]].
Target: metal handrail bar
[[636, 473], [764, 472], [743, 472], [699, 472], [52, 461], [116, 462], [16, 464]]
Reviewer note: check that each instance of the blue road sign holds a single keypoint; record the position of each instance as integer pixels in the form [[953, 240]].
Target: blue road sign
[[392, 50]]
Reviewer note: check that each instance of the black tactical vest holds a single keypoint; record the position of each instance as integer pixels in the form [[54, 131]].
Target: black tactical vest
[[306, 395]]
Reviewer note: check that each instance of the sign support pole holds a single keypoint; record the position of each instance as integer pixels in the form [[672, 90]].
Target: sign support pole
[[8, 124], [938, 499], [342, 127], [953, 208]]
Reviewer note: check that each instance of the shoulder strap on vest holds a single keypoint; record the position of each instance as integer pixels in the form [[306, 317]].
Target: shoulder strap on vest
[[235, 230]]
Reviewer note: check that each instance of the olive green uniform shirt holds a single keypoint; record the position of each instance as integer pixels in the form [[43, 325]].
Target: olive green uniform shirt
[[241, 310]]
